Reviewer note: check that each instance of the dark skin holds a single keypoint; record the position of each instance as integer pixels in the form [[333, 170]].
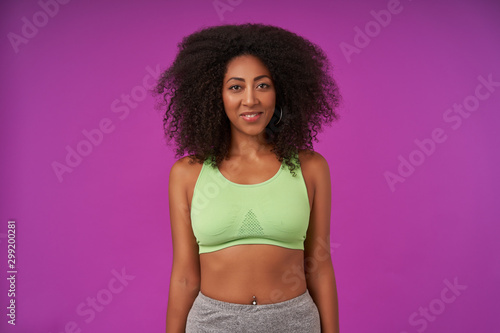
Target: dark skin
[[270, 273]]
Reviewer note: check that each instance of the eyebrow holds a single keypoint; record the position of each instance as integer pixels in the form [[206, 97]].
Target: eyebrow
[[241, 79]]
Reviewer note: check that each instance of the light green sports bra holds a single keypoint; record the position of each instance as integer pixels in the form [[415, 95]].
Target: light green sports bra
[[274, 212]]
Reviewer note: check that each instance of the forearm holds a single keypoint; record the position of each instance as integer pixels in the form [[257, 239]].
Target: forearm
[[182, 294], [323, 289]]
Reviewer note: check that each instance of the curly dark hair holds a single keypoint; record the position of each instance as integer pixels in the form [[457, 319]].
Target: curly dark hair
[[191, 90]]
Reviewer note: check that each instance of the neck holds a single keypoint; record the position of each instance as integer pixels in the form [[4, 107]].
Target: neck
[[248, 146]]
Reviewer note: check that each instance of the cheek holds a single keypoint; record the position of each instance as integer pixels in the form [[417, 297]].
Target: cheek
[[228, 106], [225, 100], [270, 96], [270, 99], [229, 101]]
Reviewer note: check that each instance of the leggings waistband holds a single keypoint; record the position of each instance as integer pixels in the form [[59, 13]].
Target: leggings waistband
[[305, 297]]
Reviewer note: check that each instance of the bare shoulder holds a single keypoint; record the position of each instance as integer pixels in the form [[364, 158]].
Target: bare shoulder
[[184, 166], [312, 162], [316, 174], [185, 170]]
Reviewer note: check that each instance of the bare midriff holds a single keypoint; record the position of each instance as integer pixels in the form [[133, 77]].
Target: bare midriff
[[236, 274]]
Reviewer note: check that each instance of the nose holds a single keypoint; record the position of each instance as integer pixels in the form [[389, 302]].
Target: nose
[[249, 97]]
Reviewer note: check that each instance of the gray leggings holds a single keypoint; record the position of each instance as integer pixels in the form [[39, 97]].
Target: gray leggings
[[298, 314]]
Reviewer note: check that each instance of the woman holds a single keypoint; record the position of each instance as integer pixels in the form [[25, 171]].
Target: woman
[[250, 204]]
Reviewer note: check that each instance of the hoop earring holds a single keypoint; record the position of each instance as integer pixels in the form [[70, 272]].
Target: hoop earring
[[281, 115]]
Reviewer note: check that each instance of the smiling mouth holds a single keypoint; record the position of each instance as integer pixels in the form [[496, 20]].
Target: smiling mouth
[[250, 115]]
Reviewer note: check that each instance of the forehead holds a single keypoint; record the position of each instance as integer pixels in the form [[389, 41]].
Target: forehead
[[246, 65]]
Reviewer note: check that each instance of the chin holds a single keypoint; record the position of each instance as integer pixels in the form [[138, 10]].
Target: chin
[[253, 131]]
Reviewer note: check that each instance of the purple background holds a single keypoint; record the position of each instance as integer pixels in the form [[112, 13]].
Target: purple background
[[394, 248]]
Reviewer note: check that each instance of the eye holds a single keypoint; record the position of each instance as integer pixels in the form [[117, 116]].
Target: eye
[[263, 85], [235, 87]]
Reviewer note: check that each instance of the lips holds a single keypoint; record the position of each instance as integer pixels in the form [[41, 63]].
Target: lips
[[250, 113], [251, 116]]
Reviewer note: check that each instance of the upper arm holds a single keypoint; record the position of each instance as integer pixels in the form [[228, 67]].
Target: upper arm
[[317, 243], [185, 249]]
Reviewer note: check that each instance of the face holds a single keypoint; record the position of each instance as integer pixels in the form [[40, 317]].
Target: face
[[249, 95]]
